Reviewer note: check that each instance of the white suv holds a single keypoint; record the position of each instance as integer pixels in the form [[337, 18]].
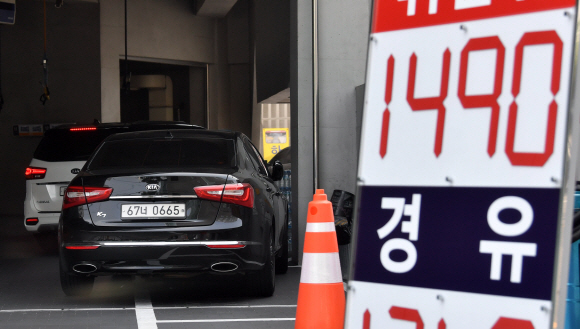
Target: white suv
[[60, 155]]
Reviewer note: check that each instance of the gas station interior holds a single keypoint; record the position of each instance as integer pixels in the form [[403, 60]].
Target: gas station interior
[[243, 65], [290, 79]]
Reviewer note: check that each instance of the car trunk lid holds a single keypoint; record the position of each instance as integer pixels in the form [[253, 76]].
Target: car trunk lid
[[158, 199]]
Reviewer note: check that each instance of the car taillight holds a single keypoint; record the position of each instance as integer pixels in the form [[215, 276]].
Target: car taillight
[[77, 195], [89, 247], [35, 173], [242, 194], [83, 129]]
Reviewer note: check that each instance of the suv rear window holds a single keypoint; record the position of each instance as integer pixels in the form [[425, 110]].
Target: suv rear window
[[65, 145], [165, 153]]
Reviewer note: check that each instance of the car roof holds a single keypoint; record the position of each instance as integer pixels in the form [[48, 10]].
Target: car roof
[[123, 126], [175, 133]]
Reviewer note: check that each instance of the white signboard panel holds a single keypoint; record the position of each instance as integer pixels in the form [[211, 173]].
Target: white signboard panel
[[472, 145], [391, 306], [462, 164]]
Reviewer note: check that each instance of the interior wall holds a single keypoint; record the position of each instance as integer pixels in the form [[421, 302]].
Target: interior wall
[[230, 84], [342, 63], [219, 86], [166, 30], [272, 30], [240, 78], [74, 81], [197, 96]]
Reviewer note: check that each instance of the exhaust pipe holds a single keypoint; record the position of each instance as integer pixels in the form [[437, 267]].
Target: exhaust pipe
[[224, 267], [84, 268]]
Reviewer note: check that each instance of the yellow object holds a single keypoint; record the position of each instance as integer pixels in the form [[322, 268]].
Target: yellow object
[[275, 140]]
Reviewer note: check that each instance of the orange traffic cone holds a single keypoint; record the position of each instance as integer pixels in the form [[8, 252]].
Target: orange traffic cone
[[321, 301]]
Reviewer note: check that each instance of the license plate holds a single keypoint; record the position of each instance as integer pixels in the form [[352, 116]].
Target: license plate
[[153, 210], [62, 189]]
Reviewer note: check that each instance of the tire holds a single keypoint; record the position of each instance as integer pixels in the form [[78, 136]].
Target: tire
[[282, 260], [263, 283], [75, 285]]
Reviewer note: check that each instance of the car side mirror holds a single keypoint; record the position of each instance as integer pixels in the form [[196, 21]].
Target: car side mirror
[[277, 171]]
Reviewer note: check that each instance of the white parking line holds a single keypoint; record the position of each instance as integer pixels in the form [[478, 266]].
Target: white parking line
[[146, 319], [144, 311], [68, 309], [226, 320], [100, 309], [226, 306]]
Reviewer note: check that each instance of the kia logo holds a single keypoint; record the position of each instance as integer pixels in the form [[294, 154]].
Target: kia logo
[[152, 187], [75, 171]]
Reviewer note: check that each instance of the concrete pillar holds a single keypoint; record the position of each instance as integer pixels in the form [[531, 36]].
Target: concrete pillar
[[302, 120], [343, 30]]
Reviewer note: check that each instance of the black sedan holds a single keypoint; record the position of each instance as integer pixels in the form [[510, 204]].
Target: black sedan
[[174, 201]]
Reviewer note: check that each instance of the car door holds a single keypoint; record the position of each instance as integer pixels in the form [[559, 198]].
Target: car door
[[272, 190]]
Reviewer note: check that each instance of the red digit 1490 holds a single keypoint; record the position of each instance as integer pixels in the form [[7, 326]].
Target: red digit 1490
[[412, 315], [481, 101]]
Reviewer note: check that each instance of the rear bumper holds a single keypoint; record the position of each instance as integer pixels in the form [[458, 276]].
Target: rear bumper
[[155, 249], [47, 222], [170, 249], [142, 257]]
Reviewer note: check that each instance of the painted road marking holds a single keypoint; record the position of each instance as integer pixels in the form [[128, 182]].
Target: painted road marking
[[133, 308], [146, 319], [226, 320], [144, 311]]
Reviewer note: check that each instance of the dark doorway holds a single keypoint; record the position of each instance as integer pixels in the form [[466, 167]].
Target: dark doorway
[[189, 92], [134, 105]]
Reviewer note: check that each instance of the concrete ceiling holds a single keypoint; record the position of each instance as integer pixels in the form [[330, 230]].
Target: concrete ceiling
[[214, 8], [208, 8], [282, 97]]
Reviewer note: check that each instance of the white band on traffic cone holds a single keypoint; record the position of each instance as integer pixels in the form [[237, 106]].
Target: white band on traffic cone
[[321, 268], [320, 227]]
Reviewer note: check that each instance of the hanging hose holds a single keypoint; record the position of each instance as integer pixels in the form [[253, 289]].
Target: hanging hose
[[127, 75], [46, 93], [1, 97]]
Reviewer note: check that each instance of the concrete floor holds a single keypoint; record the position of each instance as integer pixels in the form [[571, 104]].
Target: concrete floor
[[31, 297]]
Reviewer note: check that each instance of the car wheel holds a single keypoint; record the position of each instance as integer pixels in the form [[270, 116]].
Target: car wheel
[[263, 283], [75, 285], [282, 260]]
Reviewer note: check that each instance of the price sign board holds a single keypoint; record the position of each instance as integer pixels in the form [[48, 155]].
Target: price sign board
[[462, 165]]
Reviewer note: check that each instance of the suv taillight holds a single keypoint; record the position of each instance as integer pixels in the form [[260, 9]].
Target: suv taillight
[[35, 173], [242, 194], [83, 129], [77, 195]]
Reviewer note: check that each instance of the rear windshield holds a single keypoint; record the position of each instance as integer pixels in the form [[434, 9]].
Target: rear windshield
[[165, 154], [64, 145]]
